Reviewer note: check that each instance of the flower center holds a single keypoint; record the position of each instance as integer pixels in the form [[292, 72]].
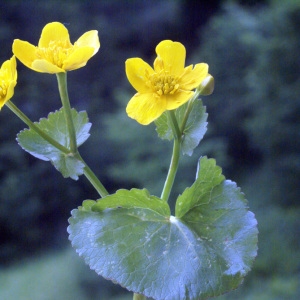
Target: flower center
[[163, 83], [56, 52]]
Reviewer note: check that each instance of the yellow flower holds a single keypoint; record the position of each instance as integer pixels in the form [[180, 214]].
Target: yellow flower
[[8, 80], [55, 53], [166, 87]]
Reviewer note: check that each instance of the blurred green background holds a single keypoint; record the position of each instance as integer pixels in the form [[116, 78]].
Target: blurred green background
[[252, 48]]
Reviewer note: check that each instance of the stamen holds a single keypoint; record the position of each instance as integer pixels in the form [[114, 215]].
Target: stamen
[[56, 52], [162, 83]]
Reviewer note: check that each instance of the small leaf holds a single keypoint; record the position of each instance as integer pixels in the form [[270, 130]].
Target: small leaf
[[194, 129], [55, 126]]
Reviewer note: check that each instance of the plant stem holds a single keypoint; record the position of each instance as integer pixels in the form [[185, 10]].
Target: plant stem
[[63, 91], [92, 178], [174, 125], [188, 110], [89, 174], [35, 128], [139, 297], [172, 171], [175, 157]]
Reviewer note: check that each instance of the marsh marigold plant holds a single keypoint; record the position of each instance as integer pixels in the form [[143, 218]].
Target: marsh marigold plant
[[55, 53], [130, 236], [166, 86], [8, 80]]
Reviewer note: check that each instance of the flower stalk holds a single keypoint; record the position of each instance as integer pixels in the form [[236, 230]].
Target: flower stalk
[[89, 174], [92, 178], [35, 128], [63, 91], [175, 156]]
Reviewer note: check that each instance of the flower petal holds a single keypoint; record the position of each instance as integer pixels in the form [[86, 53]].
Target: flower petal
[[145, 108], [191, 78], [171, 57], [44, 66], [9, 67], [137, 71], [54, 31], [10, 90], [89, 39], [78, 58], [178, 99], [8, 73], [24, 51]]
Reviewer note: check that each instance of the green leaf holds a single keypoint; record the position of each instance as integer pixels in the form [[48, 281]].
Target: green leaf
[[55, 126], [208, 176], [163, 127], [194, 128], [227, 228], [133, 199], [165, 257]]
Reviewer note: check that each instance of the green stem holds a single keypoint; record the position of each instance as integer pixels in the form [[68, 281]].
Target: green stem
[[188, 110], [32, 126], [186, 115], [139, 297], [63, 91], [174, 124], [92, 178], [172, 171], [89, 174], [175, 157]]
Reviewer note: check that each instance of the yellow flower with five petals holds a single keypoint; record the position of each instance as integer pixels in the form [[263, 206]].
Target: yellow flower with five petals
[[55, 53], [8, 80], [166, 86]]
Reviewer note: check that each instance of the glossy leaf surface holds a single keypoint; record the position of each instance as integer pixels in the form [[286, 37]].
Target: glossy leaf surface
[[204, 251]]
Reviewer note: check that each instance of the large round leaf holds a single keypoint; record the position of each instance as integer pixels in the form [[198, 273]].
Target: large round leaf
[[164, 257]]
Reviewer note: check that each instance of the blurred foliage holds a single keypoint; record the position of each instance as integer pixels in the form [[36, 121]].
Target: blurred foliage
[[65, 276], [253, 56], [253, 129]]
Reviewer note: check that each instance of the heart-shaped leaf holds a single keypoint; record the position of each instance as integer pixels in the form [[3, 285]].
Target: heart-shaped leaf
[[203, 253], [55, 126]]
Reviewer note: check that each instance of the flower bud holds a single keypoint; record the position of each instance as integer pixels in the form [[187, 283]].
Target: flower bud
[[207, 86]]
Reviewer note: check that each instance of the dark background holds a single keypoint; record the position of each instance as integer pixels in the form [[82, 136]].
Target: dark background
[[252, 48]]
